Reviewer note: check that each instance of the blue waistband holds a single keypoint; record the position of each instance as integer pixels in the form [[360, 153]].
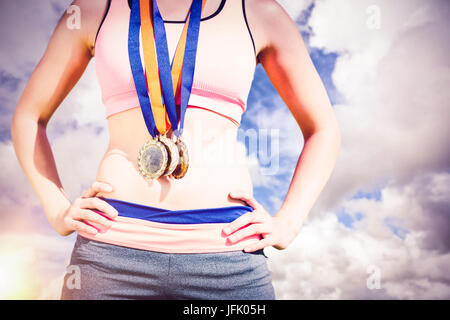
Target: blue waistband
[[192, 216]]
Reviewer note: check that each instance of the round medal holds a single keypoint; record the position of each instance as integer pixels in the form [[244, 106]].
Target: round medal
[[183, 164], [172, 151], [152, 159]]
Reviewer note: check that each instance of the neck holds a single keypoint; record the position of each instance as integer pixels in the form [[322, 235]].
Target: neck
[[174, 10]]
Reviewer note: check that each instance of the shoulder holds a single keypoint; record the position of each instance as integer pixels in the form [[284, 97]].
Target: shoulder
[[266, 12], [268, 20], [91, 7], [86, 17], [264, 7]]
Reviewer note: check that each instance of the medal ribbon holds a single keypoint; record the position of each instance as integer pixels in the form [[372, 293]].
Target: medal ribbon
[[137, 69], [151, 67], [158, 66], [186, 64]]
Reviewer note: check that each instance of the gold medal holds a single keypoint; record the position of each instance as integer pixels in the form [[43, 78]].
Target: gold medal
[[172, 151], [183, 164], [152, 159]]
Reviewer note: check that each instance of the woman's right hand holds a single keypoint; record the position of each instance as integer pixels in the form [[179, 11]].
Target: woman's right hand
[[80, 214]]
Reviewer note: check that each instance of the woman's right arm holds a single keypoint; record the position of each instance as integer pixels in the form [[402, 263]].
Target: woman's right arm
[[64, 61]]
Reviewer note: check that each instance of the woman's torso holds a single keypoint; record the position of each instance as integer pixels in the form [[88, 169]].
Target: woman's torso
[[225, 64]]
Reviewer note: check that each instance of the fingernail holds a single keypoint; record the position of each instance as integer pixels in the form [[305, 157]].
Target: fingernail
[[232, 238], [227, 230]]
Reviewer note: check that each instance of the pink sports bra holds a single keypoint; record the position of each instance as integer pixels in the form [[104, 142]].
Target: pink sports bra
[[225, 62]]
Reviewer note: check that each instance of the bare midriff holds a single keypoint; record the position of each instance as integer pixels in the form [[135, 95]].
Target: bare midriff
[[217, 164]]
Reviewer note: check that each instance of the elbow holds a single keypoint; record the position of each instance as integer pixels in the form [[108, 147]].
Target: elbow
[[337, 136], [336, 139], [334, 134], [15, 125], [22, 121], [17, 119], [331, 135], [331, 130]]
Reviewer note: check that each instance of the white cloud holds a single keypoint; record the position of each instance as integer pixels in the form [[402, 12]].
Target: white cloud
[[394, 116], [394, 124], [331, 261]]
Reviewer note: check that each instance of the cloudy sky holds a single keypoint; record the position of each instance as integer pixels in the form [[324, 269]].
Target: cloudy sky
[[380, 229]]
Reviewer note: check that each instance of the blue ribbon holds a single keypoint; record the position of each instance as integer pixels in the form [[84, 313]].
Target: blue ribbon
[[187, 75], [137, 69], [164, 65]]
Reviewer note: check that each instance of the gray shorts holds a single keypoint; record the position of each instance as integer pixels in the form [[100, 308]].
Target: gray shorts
[[101, 271]]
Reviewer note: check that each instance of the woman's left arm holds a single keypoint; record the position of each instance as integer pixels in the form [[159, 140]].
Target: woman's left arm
[[289, 67]]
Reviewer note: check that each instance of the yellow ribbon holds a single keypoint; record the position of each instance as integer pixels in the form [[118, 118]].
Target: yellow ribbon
[[151, 65]]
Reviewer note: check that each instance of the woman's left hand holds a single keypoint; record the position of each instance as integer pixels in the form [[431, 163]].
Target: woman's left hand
[[274, 231]]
